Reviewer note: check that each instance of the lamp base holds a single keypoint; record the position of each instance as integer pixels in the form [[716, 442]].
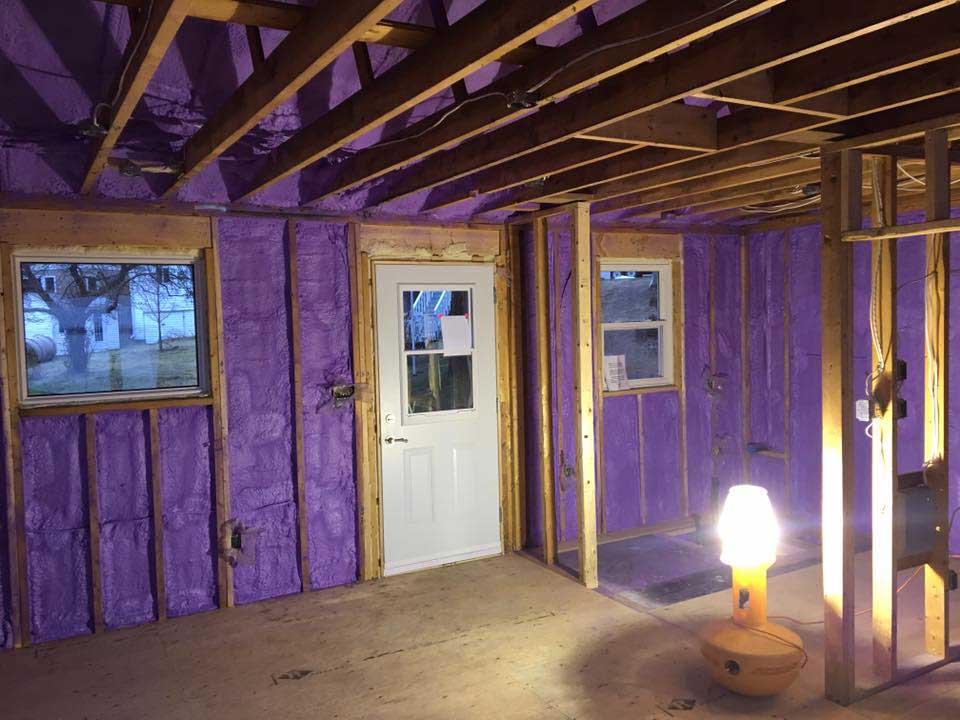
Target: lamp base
[[762, 660]]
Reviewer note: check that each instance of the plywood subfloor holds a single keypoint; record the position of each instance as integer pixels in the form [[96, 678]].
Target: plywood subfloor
[[499, 638]]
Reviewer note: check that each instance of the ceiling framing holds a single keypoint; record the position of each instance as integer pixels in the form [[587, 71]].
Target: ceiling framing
[[697, 108]]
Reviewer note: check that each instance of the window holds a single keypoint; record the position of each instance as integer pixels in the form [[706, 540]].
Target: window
[[438, 347], [109, 328], [636, 315]]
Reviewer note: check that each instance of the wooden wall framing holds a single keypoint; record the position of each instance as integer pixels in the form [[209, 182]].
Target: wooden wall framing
[[121, 231], [842, 224], [370, 243]]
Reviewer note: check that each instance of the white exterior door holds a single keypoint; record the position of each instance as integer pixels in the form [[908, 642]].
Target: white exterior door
[[438, 414]]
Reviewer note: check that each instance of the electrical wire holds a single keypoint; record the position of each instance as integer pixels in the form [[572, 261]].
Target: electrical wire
[[782, 641], [627, 41], [580, 58], [126, 67]]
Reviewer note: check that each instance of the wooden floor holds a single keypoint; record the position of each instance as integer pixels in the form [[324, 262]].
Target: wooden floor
[[499, 638]]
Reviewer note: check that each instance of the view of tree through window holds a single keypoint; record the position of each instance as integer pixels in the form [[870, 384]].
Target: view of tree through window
[[95, 327]]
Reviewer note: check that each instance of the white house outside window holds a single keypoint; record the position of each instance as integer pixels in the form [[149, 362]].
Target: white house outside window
[[636, 314], [108, 328]]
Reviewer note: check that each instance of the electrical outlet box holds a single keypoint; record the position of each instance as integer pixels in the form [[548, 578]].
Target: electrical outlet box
[[864, 410], [916, 519]]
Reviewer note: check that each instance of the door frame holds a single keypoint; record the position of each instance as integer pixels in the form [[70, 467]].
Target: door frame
[[370, 244]]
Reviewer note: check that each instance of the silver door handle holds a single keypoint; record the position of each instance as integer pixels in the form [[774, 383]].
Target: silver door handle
[[392, 440]]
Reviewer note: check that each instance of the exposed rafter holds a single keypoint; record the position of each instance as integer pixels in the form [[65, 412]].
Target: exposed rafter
[[310, 47], [149, 41], [627, 41], [786, 33], [477, 39]]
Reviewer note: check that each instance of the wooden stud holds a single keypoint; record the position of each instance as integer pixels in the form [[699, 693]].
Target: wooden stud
[[598, 384], [560, 440], [220, 409], [502, 334], [361, 56], [93, 519], [787, 376], [300, 463], [641, 464], [712, 360], [679, 370], [16, 513], [581, 256], [255, 42], [156, 514], [883, 262], [545, 379], [517, 374], [936, 395], [147, 46], [365, 413], [841, 183], [745, 419]]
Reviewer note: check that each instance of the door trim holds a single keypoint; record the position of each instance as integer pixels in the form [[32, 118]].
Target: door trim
[[371, 244]]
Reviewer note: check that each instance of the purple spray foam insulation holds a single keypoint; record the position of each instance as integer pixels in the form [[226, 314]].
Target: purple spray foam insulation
[[326, 352]]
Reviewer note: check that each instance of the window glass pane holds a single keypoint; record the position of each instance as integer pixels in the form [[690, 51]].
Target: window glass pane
[[436, 382], [641, 348], [629, 295], [423, 313], [103, 327]]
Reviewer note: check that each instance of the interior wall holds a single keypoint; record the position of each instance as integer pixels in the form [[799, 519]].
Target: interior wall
[[256, 315]]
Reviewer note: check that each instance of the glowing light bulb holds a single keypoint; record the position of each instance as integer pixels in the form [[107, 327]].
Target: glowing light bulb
[[748, 528]]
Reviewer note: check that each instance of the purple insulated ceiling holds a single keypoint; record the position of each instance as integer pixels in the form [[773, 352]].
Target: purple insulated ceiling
[[57, 60]]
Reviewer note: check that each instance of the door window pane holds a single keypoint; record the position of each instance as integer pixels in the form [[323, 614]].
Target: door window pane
[[108, 327], [641, 349], [629, 295], [423, 313], [436, 382]]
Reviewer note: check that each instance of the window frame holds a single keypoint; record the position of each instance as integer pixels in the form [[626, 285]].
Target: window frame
[[201, 308], [666, 324]]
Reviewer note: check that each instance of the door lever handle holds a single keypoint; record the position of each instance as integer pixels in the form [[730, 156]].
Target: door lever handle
[[392, 440]]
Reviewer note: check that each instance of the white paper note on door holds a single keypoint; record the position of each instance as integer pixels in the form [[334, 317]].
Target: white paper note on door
[[455, 330]]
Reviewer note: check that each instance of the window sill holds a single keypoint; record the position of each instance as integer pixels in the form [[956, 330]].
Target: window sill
[[641, 390], [86, 408]]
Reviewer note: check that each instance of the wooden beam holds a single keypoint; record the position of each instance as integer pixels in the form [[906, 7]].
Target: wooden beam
[[439, 14], [787, 32], [621, 166], [936, 396], [299, 450], [93, 519], [147, 47], [315, 43], [13, 466], [156, 514], [675, 125], [570, 68], [582, 258], [738, 191], [255, 42], [566, 156], [361, 56], [933, 227], [286, 16], [841, 197], [364, 408], [476, 40], [720, 181], [884, 495], [544, 376], [219, 410]]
